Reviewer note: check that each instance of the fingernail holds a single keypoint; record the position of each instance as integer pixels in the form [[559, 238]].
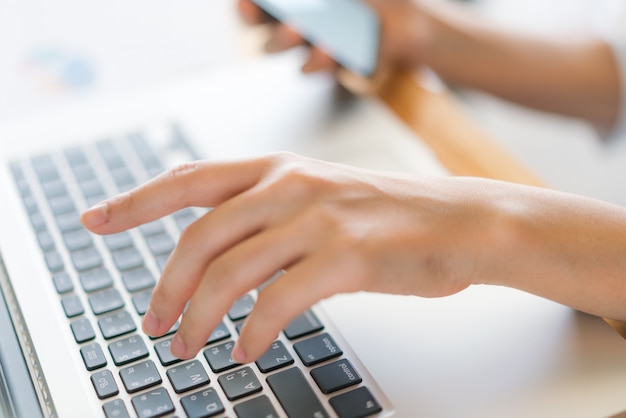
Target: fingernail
[[96, 215], [238, 354], [179, 349], [151, 324]]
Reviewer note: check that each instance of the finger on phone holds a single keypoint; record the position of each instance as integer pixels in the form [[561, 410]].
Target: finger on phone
[[319, 61], [282, 37]]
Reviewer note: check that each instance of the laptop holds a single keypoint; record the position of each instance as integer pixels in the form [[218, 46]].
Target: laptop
[[71, 343]]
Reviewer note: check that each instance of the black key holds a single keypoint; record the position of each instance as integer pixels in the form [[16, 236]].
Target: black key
[[78, 239], [276, 357], [45, 240], [202, 404], [54, 261], [72, 306], [127, 259], [152, 228], [219, 333], [219, 358], [61, 204], [62, 282], [358, 403], [295, 395], [96, 279], [37, 221], [239, 383], [69, 221], [138, 279], [82, 330], [128, 350], [140, 376], [116, 324], [335, 376], [86, 259], [160, 244], [105, 301], [30, 204], [317, 349], [256, 407], [306, 323], [115, 409], [187, 376], [171, 331], [155, 403], [104, 383], [141, 301], [43, 164], [164, 353], [118, 241], [241, 308], [93, 356]]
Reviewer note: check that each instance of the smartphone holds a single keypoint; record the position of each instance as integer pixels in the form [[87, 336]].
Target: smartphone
[[348, 30]]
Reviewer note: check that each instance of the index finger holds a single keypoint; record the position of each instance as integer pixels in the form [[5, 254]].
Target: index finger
[[197, 183]]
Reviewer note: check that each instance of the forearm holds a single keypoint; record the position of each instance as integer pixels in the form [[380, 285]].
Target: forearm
[[566, 248], [574, 77]]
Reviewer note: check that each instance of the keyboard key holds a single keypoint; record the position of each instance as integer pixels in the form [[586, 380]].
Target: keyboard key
[[75, 156], [45, 240], [276, 357], [69, 221], [62, 282], [305, 324], [96, 279], [152, 228], [239, 383], [61, 204], [116, 324], [219, 333], [202, 404], [127, 259], [187, 376], [54, 261], [91, 188], [82, 330], [37, 221], [219, 358], [72, 306], [86, 259], [317, 349], [155, 403], [122, 177], [141, 301], [93, 356], [128, 350], [77, 240], [241, 308], [115, 409], [335, 376], [138, 279], [357, 403], [53, 188], [170, 331], [160, 244], [256, 407], [104, 383], [118, 241], [106, 301], [295, 395], [140, 376], [164, 353]]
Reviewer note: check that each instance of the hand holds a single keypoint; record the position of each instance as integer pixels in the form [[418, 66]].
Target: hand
[[332, 228], [403, 31]]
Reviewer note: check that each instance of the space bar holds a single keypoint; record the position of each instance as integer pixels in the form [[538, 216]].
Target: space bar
[[295, 395]]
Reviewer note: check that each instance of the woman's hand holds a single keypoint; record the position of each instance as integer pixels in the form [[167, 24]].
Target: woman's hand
[[332, 228]]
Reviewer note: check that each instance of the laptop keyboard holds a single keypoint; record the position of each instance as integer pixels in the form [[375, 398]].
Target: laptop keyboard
[[104, 286]]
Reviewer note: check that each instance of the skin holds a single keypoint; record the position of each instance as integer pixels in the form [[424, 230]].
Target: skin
[[337, 229], [572, 74]]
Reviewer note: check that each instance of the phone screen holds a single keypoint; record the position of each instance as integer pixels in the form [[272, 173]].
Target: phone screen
[[347, 30]]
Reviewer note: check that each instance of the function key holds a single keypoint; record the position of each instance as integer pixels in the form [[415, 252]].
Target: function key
[[62, 282], [45, 240], [82, 330], [54, 261], [72, 306]]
